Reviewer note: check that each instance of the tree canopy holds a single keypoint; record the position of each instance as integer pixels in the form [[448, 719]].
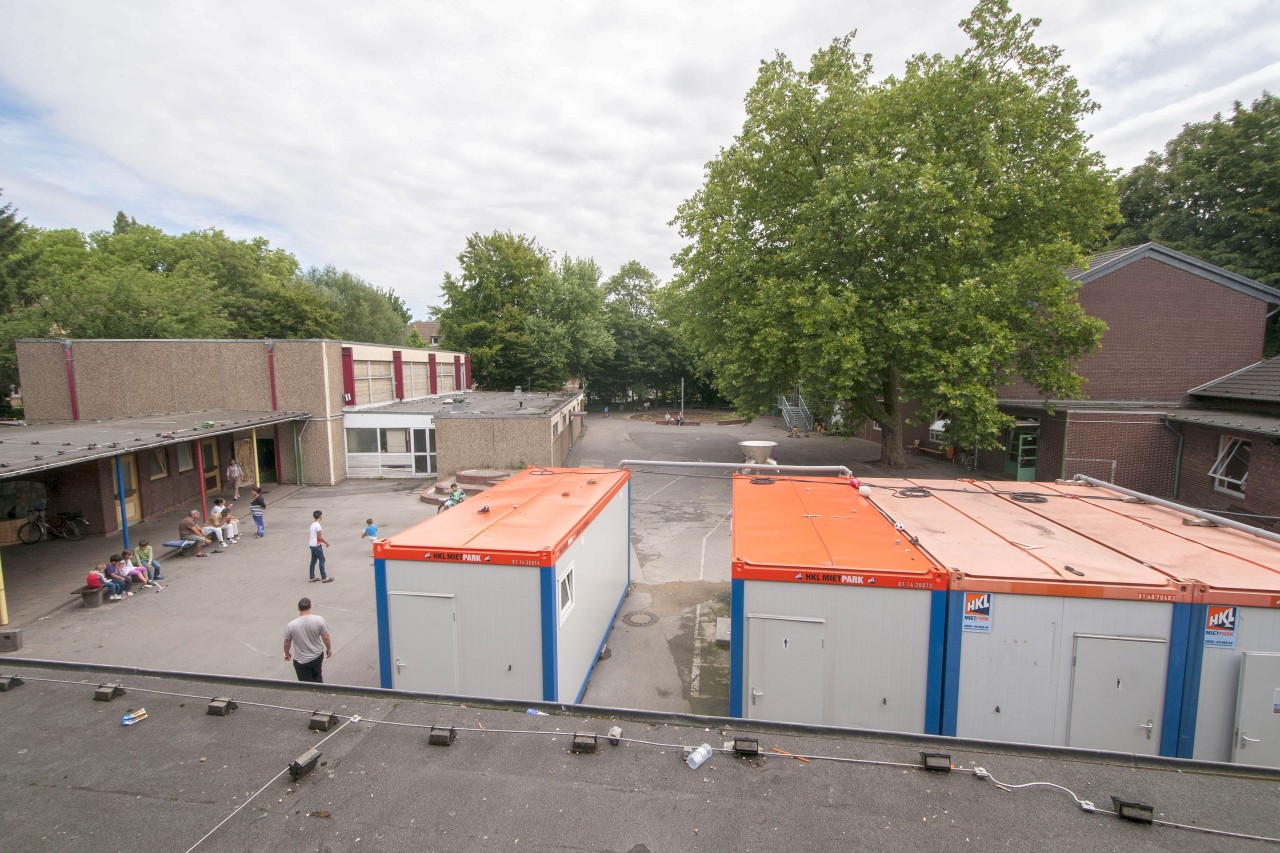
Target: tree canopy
[[902, 240]]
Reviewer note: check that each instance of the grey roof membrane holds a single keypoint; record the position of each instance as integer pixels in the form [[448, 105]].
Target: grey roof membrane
[[1259, 381], [29, 448], [474, 404], [1265, 424], [74, 777]]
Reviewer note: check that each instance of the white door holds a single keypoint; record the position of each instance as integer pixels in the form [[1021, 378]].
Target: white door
[[784, 670], [1117, 694], [424, 642], [1258, 711]]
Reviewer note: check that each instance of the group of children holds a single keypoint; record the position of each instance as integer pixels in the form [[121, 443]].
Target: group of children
[[122, 571]]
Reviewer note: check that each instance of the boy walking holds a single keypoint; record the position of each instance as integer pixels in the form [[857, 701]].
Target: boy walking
[[258, 509], [317, 543], [308, 637]]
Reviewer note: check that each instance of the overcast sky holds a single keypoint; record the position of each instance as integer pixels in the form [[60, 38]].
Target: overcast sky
[[377, 136]]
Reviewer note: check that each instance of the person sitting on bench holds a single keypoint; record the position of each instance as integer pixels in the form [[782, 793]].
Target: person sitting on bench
[[97, 579], [113, 573], [192, 530], [222, 519]]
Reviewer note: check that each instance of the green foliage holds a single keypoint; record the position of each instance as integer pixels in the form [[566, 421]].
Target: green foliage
[[364, 313], [879, 242], [641, 362], [524, 320], [1214, 193]]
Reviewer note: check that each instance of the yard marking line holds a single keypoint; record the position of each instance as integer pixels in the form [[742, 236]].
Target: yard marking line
[[672, 483], [702, 563], [695, 669]]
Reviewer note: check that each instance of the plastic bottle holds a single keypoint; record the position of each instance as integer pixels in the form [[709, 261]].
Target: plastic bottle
[[698, 756]]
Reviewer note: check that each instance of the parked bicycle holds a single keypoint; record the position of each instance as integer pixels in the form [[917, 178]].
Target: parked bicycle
[[68, 525], [967, 459]]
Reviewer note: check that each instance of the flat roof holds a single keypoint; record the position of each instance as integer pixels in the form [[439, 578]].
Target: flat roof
[[821, 530], [527, 519], [183, 779], [1072, 539], [31, 448], [1238, 421], [478, 404]]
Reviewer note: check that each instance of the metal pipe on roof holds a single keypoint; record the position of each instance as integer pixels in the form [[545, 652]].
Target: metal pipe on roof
[[837, 470], [1177, 507]]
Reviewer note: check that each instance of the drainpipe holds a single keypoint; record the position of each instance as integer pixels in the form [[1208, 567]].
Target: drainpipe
[[71, 380], [745, 467], [124, 514], [1177, 458], [275, 428], [297, 450], [1177, 507]]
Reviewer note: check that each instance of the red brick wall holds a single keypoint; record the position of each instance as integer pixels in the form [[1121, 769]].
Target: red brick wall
[[1200, 451], [1134, 448], [1168, 331]]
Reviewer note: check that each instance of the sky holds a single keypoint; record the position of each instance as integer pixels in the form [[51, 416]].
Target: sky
[[377, 137]]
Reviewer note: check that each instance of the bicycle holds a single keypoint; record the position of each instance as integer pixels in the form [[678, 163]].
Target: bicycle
[[968, 459], [68, 525]]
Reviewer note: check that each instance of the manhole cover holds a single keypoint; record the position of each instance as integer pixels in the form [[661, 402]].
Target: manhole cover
[[640, 619]]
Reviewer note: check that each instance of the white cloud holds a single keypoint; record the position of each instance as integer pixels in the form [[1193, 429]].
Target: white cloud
[[376, 137]]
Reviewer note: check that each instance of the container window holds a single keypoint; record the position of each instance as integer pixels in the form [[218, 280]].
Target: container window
[[1230, 472], [565, 593]]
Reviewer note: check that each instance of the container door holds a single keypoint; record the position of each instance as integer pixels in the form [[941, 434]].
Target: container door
[[784, 670], [424, 642], [1258, 711], [1117, 694]]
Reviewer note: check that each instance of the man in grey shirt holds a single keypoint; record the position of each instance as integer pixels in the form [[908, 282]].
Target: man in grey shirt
[[308, 636]]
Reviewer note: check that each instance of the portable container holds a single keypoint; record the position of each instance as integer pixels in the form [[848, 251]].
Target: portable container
[[509, 594], [837, 617], [1067, 621]]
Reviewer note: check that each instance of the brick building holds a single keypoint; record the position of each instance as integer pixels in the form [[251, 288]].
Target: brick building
[[156, 421], [1174, 324]]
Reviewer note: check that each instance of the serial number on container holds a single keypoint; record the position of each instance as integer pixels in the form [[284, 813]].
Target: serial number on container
[[914, 585]]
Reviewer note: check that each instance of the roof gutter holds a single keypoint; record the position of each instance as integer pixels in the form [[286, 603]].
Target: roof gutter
[[1197, 513], [744, 467]]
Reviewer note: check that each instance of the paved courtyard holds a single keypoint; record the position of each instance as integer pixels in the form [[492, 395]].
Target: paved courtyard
[[224, 615]]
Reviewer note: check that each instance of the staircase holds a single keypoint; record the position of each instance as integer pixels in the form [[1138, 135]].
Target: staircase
[[797, 414], [473, 483]]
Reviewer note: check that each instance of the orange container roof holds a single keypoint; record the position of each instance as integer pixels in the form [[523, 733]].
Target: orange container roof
[[1071, 539], [531, 519], [821, 530]]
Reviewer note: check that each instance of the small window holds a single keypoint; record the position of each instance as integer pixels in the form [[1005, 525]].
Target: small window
[[185, 461], [565, 593], [395, 441], [159, 463], [938, 430], [1230, 472], [362, 441]]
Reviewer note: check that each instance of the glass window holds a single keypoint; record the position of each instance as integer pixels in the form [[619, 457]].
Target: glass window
[[1230, 472], [395, 440], [185, 460], [159, 463], [565, 592], [362, 441]]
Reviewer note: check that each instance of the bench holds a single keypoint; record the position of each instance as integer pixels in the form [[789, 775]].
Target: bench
[[935, 452], [178, 546], [90, 596]]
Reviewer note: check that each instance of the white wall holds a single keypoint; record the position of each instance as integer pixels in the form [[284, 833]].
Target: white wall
[[599, 558], [499, 622], [1258, 630]]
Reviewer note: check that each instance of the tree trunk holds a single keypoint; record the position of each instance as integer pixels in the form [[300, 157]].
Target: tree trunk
[[891, 455]]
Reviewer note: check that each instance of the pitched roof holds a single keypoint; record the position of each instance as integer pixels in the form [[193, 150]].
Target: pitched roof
[[1108, 262], [426, 328], [1259, 382]]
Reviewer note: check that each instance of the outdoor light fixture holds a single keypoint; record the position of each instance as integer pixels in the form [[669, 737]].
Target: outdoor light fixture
[[584, 742], [440, 736], [304, 764], [107, 692], [746, 747], [221, 706], [8, 682], [1136, 812], [939, 762], [322, 721]]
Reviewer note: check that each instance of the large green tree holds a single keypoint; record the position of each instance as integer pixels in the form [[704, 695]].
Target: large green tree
[[364, 313], [1214, 193], [643, 345], [902, 240]]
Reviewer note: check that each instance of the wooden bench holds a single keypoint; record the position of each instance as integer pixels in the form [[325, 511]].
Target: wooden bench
[[90, 596], [935, 452]]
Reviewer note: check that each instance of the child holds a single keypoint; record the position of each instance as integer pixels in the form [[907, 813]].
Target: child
[[134, 573], [145, 555], [221, 517], [97, 578], [258, 509], [370, 530], [112, 570]]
